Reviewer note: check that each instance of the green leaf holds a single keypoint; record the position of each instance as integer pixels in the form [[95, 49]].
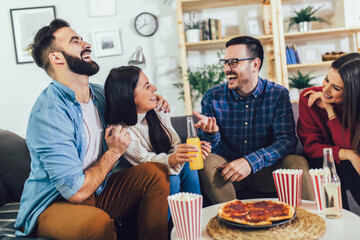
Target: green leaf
[[301, 81], [305, 15], [202, 79]]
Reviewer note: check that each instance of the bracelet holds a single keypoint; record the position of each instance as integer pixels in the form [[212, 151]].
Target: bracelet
[[332, 117]]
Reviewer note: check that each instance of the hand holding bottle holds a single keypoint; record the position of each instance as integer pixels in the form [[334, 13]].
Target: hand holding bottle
[[184, 153], [193, 139]]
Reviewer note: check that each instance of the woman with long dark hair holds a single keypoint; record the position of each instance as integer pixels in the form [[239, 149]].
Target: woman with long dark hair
[[131, 103], [329, 117]]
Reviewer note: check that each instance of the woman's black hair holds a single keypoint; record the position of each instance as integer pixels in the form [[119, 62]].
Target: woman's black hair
[[350, 74], [121, 108]]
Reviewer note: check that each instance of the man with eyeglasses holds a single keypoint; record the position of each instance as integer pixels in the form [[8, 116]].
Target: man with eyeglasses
[[250, 123]]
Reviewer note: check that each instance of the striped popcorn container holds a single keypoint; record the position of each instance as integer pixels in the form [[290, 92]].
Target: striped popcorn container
[[288, 183], [316, 176], [185, 211]]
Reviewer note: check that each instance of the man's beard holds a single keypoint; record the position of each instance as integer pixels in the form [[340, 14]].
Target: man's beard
[[79, 66]]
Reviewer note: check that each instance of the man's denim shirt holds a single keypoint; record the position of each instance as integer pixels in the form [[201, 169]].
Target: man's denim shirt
[[56, 139]]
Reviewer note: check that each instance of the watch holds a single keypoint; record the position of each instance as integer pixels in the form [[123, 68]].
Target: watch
[[146, 24]]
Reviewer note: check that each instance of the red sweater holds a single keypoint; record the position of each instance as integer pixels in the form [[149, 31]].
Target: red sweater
[[317, 132]]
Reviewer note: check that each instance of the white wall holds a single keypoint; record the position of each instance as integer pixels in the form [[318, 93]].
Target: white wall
[[20, 84]]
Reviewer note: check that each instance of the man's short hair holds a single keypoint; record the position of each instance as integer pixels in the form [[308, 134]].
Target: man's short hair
[[253, 45], [43, 43]]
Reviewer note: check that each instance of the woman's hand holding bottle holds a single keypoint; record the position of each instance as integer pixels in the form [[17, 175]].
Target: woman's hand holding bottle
[[182, 154]]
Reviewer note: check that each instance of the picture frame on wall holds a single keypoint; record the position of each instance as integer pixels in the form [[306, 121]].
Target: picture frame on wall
[[102, 8], [107, 42], [25, 24], [310, 54], [254, 26]]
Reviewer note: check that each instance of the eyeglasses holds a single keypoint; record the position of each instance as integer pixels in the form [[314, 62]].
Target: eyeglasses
[[233, 62]]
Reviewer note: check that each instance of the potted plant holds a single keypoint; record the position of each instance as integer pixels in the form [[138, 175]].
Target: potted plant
[[192, 29], [304, 17], [301, 81], [202, 79]]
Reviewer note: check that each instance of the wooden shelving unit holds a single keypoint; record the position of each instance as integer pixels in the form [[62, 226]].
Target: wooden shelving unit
[[331, 32], [309, 65], [271, 48], [220, 43], [322, 32], [275, 43]]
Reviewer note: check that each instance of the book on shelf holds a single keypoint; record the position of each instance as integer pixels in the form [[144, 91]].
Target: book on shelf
[[205, 29], [211, 29], [292, 56]]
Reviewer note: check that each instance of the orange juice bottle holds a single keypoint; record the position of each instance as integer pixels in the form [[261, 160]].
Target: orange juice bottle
[[193, 139]]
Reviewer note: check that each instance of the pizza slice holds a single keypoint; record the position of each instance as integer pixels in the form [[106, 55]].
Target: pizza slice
[[276, 210], [232, 210]]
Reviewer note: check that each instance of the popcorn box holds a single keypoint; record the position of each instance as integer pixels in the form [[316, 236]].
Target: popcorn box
[[288, 183], [186, 214], [316, 176]]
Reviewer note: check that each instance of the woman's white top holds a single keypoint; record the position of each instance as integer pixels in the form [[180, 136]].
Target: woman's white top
[[140, 150]]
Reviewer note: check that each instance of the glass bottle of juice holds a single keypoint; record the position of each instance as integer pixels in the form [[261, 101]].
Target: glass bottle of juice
[[193, 139], [331, 187]]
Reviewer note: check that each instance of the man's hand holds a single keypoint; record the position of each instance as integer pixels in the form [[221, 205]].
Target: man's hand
[[205, 149], [207, 124], [118, 139], [160, 101], [236, 170]]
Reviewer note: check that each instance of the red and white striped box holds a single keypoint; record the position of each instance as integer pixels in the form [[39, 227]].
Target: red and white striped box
[[186, 214], [288, 183], [316, 176]]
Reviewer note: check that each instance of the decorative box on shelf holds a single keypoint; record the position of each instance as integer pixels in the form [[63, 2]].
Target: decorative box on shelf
[[332, 56]]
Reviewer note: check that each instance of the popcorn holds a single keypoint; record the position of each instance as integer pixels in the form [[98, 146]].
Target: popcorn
[[186, 214], [288, 183], [316, 176]]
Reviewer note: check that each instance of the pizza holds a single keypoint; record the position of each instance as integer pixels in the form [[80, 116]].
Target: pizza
[[255, 213]]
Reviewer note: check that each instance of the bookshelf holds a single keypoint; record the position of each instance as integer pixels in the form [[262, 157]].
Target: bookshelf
[[274, 43], [270, 46]]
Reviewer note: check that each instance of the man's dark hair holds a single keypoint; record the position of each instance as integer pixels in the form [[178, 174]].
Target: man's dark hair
[[253, 45], [43, 43], [121, 108]]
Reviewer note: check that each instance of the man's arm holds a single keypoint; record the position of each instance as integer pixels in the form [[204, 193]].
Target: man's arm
[[117, 143], [51, 139]]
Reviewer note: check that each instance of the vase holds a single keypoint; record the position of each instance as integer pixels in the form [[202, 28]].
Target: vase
[[192, 35], [304, 26]]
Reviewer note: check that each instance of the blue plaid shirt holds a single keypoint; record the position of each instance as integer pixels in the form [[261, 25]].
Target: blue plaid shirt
[[259, 128]]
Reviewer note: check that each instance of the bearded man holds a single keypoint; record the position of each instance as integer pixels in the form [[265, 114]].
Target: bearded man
[[71, 192]]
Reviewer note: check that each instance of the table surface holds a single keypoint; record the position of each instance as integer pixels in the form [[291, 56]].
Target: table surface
[[346, 227]]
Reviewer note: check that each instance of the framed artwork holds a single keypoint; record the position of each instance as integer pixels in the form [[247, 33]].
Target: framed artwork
[[25, 24], [253, 26], [310, 54], [102, 8], [107, 43]]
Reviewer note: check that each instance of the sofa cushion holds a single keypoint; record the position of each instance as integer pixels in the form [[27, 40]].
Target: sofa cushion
[[295, 108], [179, 124], [4, 195], [14, 164]]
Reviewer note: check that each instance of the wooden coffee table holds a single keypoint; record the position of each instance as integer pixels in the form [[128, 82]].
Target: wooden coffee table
[[346, 227]]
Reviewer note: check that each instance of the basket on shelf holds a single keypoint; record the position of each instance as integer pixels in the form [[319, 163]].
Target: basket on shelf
[[332, 56]]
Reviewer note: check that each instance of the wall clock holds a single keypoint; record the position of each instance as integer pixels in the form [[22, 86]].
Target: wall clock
[[146, 24]]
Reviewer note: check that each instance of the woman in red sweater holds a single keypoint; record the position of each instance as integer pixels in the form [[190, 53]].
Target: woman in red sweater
[[329, 117]]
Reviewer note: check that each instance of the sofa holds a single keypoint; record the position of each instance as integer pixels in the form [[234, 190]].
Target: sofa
[[15, 168]]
